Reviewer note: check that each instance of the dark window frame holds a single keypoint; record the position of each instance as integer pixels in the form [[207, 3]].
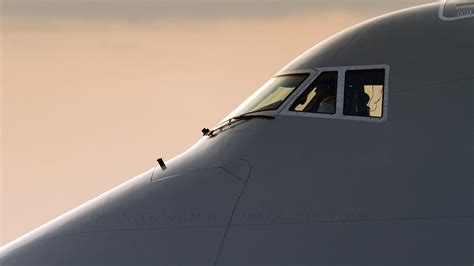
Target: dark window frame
[[311, 87]]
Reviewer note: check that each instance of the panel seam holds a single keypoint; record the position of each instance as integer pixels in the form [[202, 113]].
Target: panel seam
[[221, 245]]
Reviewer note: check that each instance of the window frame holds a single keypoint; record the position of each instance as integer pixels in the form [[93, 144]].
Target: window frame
[[340, 94], [307, 75], [311, 85], [312, 74]]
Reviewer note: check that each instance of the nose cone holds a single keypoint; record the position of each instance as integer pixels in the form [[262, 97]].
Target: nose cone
[[176, 219]]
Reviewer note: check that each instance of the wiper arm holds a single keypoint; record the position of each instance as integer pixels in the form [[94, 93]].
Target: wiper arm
[[247, 116], [230, 121]]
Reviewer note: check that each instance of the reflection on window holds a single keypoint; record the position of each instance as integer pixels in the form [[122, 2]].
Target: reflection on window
[[363, 93], [271, 95], [320, 97], [275, 98]]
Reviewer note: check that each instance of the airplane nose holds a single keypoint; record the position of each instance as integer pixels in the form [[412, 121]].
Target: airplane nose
[[178, 219]]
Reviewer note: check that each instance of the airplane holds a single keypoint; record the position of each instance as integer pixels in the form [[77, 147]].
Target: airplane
[[359, 151]]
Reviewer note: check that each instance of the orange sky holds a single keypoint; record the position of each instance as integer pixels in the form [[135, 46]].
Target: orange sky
[[87, 104]]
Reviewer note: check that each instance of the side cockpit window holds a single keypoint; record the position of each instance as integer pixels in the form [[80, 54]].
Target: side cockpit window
[[345, 92], [363, 92], [320, 96]]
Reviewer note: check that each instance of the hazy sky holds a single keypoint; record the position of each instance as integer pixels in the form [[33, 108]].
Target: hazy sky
[[93, 91], [146, 10]]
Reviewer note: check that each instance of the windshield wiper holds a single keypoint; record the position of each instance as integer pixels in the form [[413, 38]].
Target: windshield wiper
[[230, 121]]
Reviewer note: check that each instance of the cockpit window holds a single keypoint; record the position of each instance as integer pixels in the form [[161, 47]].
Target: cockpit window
[[320, 97], [271, 95], [363, 92]]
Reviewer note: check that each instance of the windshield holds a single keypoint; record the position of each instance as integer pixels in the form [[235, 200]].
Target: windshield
[[271, 95]]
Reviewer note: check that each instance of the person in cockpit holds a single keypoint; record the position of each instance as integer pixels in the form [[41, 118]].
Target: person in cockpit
[[325, 101]]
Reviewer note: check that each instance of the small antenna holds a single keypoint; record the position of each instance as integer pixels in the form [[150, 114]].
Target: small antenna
[[161, 163]]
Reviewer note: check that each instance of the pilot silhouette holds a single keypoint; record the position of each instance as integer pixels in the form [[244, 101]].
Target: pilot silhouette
[[362, 103], [356, 100], [325, 100]]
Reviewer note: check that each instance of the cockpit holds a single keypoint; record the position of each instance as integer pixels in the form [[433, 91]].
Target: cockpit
[[351, 93]]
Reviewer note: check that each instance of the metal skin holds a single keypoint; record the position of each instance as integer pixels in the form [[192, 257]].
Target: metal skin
[[306, 190]]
